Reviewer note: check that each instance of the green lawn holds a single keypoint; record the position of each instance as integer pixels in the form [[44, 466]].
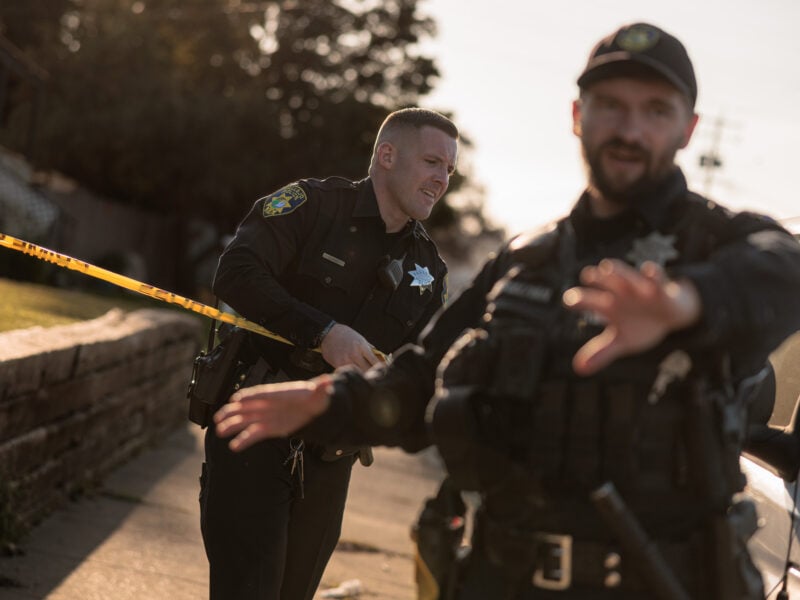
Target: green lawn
[[26, 305]]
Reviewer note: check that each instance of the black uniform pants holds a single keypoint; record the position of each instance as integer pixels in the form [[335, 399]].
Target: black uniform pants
[[262, 541]]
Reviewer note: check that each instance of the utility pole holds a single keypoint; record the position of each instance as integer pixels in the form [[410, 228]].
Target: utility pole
[[711, 160]]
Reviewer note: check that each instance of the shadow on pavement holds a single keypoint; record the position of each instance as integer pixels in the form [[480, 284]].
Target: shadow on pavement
[[122, 536]]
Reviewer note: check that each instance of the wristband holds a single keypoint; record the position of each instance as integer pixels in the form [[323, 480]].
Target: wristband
[[325, 331]]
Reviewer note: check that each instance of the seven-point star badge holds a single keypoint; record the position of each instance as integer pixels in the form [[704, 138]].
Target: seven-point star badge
[[422, 278], [655, 247]]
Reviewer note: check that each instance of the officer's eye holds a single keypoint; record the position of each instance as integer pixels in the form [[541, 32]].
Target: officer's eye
[[608, 104], [660, 111]]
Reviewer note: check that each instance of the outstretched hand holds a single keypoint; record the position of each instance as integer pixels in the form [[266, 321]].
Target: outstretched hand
[[271, 410], [640, 308]]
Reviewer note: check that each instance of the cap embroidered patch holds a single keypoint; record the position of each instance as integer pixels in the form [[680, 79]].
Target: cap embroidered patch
[[284, 201], [637, 38], [422, 278]]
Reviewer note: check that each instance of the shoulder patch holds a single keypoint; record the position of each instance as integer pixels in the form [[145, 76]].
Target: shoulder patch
[[284, 201]]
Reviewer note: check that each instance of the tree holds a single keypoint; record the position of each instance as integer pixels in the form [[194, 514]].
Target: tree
[[197, 107]]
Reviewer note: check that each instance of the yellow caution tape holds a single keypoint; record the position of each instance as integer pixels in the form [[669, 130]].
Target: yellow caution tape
[[62, 260]]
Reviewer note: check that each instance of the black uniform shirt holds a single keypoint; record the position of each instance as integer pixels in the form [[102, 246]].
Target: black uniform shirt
[[310, 253]]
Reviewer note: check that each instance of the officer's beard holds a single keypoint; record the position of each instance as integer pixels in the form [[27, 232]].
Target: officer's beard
[[657, 169]]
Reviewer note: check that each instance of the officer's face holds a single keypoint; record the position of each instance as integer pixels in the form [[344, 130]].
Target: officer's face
[[630, 130], [420, 172]]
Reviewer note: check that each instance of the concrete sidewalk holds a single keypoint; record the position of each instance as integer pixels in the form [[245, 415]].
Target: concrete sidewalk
[[138, 536]]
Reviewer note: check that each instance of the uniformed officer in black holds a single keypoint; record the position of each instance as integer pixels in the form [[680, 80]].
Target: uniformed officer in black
[[345, 267], [609, 355]]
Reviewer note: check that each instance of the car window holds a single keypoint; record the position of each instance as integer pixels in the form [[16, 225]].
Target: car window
[[786, 362]]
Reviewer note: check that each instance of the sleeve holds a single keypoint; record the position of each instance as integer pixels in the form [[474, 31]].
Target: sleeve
[[265, 245], [387, 405], [749, 286]]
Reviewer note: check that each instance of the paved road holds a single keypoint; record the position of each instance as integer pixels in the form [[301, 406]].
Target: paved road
[[137, 537]]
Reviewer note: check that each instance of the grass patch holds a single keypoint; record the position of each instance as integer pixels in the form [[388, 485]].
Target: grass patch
[[25, 305]]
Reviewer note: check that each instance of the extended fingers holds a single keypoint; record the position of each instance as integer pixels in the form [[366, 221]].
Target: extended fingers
[[588, 300], [600, 285], [597, 353], [252, 434], [612, 275], [654, 272], [272, 410], [270, 418], [268, 391], [611, 281], [234, 421], [251, 404], [240, 407]]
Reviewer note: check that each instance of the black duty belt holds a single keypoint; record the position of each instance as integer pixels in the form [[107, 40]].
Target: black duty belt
[[556, 561], [309, 360]]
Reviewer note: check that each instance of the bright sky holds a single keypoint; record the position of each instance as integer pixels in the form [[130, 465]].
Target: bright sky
[[509, 69]]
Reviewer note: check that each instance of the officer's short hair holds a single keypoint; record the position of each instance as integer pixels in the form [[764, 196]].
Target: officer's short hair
[[416, 118]]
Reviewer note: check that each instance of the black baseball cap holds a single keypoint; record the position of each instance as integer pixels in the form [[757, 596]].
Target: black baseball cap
[[638, 48]]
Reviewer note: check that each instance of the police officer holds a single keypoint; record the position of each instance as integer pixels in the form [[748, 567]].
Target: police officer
[[598, 398], [346, 267]]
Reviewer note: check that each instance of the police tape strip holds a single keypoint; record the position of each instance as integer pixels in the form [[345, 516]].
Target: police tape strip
[[68, 262]]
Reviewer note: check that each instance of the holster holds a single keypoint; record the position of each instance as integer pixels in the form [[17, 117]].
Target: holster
[[213, 375], [438, 533]]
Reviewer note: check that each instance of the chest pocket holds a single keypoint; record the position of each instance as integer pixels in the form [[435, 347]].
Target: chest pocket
[[418, 288], [333, 261]]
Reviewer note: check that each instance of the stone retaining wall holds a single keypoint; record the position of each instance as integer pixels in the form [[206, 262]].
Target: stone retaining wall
[[77, 400]]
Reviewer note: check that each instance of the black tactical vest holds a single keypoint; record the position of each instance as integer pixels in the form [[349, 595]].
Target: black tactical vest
[[513, 421]]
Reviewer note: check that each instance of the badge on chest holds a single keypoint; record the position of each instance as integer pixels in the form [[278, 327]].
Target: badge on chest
[[655, 247], [421, 278]]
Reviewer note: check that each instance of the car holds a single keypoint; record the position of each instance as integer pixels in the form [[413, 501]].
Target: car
[[771, 462]]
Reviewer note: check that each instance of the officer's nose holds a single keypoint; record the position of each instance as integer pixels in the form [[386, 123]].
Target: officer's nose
[[442, 177], [631, 127]]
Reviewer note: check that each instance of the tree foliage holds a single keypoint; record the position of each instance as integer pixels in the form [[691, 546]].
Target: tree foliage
[[197, 107]]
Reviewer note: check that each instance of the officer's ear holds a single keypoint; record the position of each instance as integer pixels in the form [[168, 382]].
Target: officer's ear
[[688, 129], [386, 154], [576, 117]]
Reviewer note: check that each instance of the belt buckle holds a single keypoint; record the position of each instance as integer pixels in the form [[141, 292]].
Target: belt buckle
[[553, 546]]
